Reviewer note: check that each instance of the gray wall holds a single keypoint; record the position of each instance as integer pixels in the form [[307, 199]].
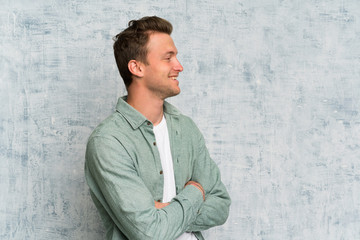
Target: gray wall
[[273, 85]]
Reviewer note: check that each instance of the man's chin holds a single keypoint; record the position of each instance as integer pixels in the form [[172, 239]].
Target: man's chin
[[177, 92], [173, 93]]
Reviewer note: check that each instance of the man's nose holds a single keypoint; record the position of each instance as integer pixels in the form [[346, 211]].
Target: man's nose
[[178, 67]]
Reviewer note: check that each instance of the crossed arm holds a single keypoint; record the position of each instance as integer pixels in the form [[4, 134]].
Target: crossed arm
[[122, 194], [160, 205]]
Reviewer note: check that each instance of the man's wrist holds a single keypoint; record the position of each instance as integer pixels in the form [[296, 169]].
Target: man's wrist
[[160, 205]]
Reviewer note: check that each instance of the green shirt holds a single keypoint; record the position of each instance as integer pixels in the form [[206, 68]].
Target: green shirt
[[123, 171]]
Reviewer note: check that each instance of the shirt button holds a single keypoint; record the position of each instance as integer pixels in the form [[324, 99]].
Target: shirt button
[[161, 172], [159, 200], [154, 143]]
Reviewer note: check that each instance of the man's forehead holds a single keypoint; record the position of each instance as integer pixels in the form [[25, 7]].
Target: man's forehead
[[163, 42], [161, 39]]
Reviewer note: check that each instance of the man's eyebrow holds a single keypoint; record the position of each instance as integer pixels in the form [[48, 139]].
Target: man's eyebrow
[[171, 53]]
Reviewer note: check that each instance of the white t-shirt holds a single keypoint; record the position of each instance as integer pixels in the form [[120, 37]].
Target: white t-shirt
[[163, 144]]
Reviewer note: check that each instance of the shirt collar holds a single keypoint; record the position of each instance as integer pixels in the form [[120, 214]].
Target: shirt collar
[[135, 118]]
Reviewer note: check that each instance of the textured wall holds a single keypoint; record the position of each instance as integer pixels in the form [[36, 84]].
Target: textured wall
[[273, 85]]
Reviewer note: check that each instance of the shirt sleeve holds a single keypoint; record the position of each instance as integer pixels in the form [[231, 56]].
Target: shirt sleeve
[[114, 181], [215, 210]]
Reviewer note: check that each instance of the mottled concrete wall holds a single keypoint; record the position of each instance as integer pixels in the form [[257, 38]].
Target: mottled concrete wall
[[273, 85]]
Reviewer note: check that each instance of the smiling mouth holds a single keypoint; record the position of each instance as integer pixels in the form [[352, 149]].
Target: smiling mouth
[[173, 78]]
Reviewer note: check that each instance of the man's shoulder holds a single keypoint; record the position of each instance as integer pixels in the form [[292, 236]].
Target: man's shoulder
[[110, 126]]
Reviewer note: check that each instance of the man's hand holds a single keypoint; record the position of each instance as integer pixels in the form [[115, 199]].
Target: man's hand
[[198, 185], [159, 205]]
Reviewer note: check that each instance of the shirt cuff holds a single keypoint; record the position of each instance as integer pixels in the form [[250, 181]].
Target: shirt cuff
[[191, 199]]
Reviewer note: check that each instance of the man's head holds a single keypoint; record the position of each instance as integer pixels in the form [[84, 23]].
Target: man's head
[[131, 44]]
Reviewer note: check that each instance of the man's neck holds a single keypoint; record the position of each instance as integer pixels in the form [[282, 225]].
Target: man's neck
[[147, 104]]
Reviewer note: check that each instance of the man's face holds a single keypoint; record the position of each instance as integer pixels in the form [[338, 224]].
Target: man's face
[[160, 75]]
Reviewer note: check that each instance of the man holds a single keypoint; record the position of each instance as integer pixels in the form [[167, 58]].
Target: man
[[147, 166]]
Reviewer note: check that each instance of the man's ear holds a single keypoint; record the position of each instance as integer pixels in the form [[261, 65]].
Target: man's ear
[[136, 68]]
